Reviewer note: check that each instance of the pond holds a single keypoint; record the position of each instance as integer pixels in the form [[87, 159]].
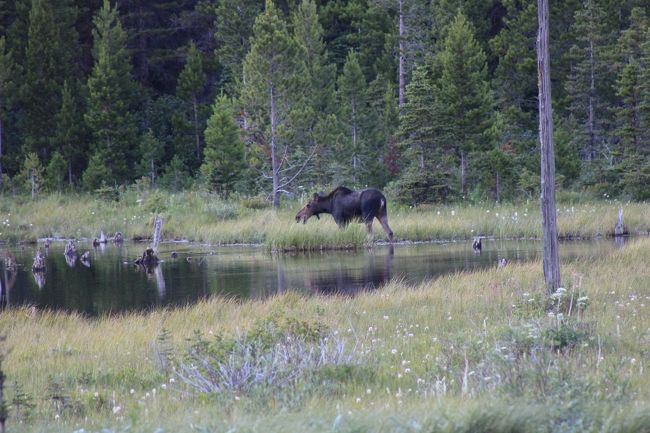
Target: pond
[[111, 283]]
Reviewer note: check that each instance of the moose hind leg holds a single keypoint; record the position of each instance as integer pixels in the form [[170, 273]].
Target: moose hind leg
[[383, 220]]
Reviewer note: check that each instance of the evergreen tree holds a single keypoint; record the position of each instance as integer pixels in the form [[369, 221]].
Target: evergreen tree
[[352, 88], [71, 135], [152, 152], [31, 174], [464, 95], [590, 77], [191, 82], [111, 90], [315, 109], [224, 160], [49, 60], [55, 172], [6, 70], [274, 77], [417, 123], [233, 20]]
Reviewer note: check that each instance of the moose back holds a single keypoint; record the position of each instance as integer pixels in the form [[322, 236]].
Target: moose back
[[346, 205]]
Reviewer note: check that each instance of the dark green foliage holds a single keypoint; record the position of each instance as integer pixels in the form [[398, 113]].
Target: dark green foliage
[[111, 97], [55, 173], [224, 161], [89, 83]]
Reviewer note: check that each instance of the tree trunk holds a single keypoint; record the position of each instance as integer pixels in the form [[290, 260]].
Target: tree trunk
[[592, 91], [463, 163], [275, 166], [551, 263], [1, 152], [70, 174], [196, 127], [402, 58]]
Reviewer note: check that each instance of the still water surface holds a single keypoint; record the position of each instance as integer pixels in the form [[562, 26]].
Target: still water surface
[[113, 284]]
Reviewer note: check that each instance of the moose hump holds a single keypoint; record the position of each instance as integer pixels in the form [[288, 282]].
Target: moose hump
[[346, 205]]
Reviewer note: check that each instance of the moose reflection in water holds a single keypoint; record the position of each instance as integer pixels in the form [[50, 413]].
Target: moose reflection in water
[[346, 205]]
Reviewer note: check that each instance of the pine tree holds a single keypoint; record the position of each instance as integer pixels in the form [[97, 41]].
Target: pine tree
[[152, 151], [71, 135], [55, 172], [224, 160], [417, 122], [191, 82], [314, 110], [352, 88], [234, 20], [44, 77], [6, 72], [590, 78], [111, 90], [31, 174], [464, 94], [274, 77]]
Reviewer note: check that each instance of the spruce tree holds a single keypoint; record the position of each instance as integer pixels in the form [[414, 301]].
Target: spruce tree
[[352, 88], [590, 78], [70, 139], [6, 72], [314, 110], [224, 160], [152, 151], [191, 82], [464, 94], [274, 77], [43, 78], [109, 117]]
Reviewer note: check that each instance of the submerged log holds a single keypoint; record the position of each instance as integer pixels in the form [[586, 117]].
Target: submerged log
[[39, 262]]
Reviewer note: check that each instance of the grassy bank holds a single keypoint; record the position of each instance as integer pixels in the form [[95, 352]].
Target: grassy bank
[[472, 352], [206, 218]]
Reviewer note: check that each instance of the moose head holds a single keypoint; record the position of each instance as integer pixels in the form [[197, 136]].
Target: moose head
[[311, 208]]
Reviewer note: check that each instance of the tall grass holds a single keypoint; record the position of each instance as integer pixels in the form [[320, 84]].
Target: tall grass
[[202, 217], [481, 351]]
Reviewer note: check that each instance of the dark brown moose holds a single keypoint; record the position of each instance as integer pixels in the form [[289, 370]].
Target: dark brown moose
[[346, 205]]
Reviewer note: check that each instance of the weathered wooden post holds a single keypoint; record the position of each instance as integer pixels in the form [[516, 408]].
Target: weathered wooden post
[[3, 406], [549, 218]]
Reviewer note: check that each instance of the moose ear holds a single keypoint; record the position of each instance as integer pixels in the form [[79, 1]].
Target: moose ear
[[316, 195]]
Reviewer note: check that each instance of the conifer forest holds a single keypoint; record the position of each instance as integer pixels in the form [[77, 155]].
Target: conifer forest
[[429, 100]]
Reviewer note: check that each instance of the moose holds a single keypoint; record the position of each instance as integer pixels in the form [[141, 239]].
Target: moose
[[346, 205]]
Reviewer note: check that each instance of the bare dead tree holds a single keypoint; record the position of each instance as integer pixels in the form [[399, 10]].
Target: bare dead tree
[[551, 262]]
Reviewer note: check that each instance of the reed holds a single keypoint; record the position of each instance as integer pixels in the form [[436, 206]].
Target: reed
[[480, 351], [203, 217]]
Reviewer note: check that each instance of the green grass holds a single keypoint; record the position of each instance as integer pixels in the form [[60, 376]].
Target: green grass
[[206, 218], [485, 351]]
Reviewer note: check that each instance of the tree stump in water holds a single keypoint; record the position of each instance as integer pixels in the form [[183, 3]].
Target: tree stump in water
[[10, 261], [476, 244], [118, 238], [39, 262], [85, 259], [619, 228], [148, 258], [70, 249]]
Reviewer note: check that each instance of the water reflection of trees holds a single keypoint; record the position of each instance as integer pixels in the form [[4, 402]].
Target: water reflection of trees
[[343, 279]]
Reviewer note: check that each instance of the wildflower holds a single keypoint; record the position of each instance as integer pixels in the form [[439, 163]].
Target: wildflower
[[116, 409], [394, 351], [368, 391]]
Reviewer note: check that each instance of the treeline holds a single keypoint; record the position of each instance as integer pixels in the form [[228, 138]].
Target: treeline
[[430, 100]]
